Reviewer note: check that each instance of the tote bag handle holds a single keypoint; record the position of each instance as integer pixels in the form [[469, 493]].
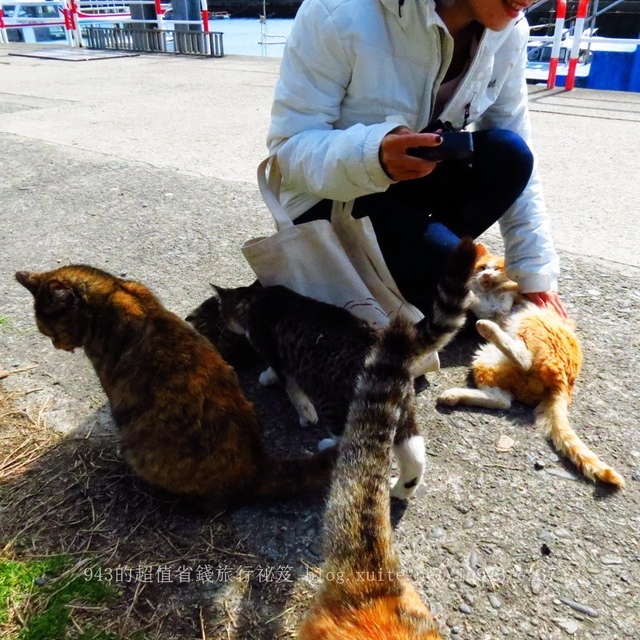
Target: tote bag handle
[[270, 190]]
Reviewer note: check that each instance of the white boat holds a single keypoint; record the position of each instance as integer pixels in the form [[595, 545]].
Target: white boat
[[29, 21], [50, 21]]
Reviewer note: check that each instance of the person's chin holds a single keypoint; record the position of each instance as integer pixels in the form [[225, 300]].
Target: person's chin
[[499, 25], [511, 11]]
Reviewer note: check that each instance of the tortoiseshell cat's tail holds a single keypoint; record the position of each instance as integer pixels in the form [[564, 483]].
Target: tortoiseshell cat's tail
[[448, 312], [294, 477]]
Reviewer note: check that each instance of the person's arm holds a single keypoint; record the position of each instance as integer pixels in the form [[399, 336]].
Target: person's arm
[[530, 256], [315, 157]]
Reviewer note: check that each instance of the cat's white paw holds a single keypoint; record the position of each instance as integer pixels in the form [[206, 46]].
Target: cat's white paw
[[487, 329], [411, 458], [425, 363], [268, 377], [403, 490], [506, 302], [327, 443], [306, 413], [450, 397]]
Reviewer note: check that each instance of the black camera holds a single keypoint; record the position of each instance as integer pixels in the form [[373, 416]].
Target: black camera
[[455, 145]]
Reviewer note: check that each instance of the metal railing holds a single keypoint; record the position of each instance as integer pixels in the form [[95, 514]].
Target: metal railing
[[204, 43]]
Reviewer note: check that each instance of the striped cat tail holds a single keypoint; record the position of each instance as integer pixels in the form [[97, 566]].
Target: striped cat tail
[[448, 312], [363, 594], [553, 415], [357, 521]]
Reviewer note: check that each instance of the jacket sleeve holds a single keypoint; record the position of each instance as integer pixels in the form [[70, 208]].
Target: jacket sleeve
[[315, 155], [530, 257]]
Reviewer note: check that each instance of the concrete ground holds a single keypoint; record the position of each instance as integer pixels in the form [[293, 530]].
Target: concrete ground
[[145, 166]]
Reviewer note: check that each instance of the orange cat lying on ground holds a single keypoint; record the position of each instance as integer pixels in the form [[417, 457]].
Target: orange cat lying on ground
[[535, 360]]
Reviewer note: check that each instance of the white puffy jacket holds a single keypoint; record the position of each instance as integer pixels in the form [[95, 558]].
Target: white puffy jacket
[[353, 70]]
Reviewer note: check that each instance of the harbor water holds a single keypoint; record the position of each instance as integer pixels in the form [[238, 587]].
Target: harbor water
[[250, 37]]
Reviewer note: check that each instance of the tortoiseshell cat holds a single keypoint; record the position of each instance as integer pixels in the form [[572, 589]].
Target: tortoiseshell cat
[[364, 595], [184, 422], [317, 350], [493, 295], [535, 358]]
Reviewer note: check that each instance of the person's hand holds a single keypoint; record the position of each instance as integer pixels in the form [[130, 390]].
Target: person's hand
[[550, 300], [393, 154]]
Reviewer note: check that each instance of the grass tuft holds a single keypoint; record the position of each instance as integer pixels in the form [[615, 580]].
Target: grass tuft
[[40, 595]]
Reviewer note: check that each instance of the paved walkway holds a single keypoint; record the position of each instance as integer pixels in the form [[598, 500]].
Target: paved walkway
[[148, 162], [209, 117]]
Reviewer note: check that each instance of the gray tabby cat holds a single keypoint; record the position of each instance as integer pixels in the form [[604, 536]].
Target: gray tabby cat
[[317, 350]]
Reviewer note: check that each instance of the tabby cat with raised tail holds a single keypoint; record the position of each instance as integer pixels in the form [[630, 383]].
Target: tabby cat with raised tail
[[364, 595], [535, 359], [317, 350], [184, 422]]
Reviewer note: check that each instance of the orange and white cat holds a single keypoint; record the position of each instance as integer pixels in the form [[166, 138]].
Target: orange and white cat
[[533, 358], [492, 294]]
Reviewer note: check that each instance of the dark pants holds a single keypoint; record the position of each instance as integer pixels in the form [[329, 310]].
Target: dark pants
[[418, 223]]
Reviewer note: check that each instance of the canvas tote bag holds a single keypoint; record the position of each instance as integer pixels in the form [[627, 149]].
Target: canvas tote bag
[[309, 258]]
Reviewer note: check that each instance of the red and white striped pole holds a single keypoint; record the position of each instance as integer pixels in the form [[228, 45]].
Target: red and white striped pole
[[575, 50], [69, 29], [205, 15], [75, 22], [205, 26], [561, 12], [3, 32], [159, 14]]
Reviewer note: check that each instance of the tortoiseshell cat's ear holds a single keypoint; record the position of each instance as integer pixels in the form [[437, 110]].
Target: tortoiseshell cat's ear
[[53, 294], [60, 296], [29, 280]]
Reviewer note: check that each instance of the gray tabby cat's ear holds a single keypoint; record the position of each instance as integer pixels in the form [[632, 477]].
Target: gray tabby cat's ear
[[218, 292]]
